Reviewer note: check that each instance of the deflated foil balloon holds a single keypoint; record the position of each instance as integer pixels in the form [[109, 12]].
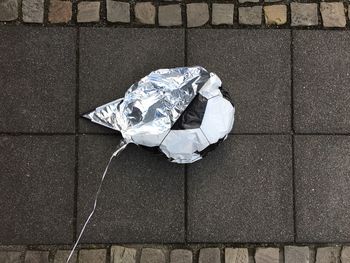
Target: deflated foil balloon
[[183, 112]]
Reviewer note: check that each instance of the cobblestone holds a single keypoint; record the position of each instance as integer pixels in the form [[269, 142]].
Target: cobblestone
[[222, 14], [250, 15], [328, 255], [275, 14], [294, 254], [345, 255], [36, 257], [170, 15], [145, 13], [197, 14], [8, 10], [92, 256], [88, 12], [333, 14], [304, 14], [236, 255], [267, 255], [118, 11], [181, 256], [151, 255], [123, 255], [33, 11], [10, 257], [209, 255], [61, 256], [60, 11]]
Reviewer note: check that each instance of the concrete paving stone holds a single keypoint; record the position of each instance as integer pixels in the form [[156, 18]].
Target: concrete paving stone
[[154, 214], [242, 192], [304, 14], [151, 255], [112, 59], [170, 15], [248, 61], [209, 255], [11, 257], [328, 255], [61, 256], [92, 255], [33, 11], [181, 256], [267, 255], [36, 257], [60, 11], [197, 14], [222, 14], [88, 12], [8, 10], [296, 254], [123, 255], [118, 11], [37, 179], [250, 15], [345, 254], [236, 255], [275, 14], [36, 96], [322, 178], [321, 81], [145, 13], [333, 14]]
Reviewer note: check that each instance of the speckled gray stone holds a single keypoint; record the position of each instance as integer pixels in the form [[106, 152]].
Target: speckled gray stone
[[8, 10], [209, 255], [118, 11], [222, 14], [267, 255], [123, 255], [33, 11], [61, 256], [295, 254], [151, 255], [236, 255], [145, 13], [197, 14], [170, 15], [304, 14], [92, 256], [11, 257], [333, 14], [36, 257], [181, 256], [88, 12], [322, 182], [328, 255], [250, 15]]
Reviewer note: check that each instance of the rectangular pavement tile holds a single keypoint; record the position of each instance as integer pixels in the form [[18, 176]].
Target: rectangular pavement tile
[[321, 81], [37, 79], [254, 66], [242, 192], [37, 196], [112, 59], [322, 165], [142, 198]]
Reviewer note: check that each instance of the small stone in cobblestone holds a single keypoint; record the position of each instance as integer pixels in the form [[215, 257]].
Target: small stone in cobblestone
[[118, 11], [8, 10], [181, 256], [60, 11], [294, 254], [122, 255], [275, 14], [209, 255], [145, 13], [170, 15], [267, 255], [222, 14], [197, 14], [304, 14], [333, 14], [36, 257], [92, 256], [61, 256], [236, 255], [10, 257], [328, 255], [151, 255], [33, 11], [345, 255], [88, 12], [250, 15]]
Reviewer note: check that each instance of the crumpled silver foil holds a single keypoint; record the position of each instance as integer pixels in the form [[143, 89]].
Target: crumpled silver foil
[[151, 106]]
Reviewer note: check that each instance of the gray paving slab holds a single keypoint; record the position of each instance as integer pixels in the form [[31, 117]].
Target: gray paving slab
[[322, 178], [37, 189], [112, 59], [37, 79], [242, 192], [142, 198], [321, 81], [254, 66]]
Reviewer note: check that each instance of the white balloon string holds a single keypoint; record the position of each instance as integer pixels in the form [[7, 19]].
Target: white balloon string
[[120, 148]]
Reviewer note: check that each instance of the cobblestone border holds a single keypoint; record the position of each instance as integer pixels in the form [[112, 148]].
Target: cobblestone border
[[173, 254], [226, 14]]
